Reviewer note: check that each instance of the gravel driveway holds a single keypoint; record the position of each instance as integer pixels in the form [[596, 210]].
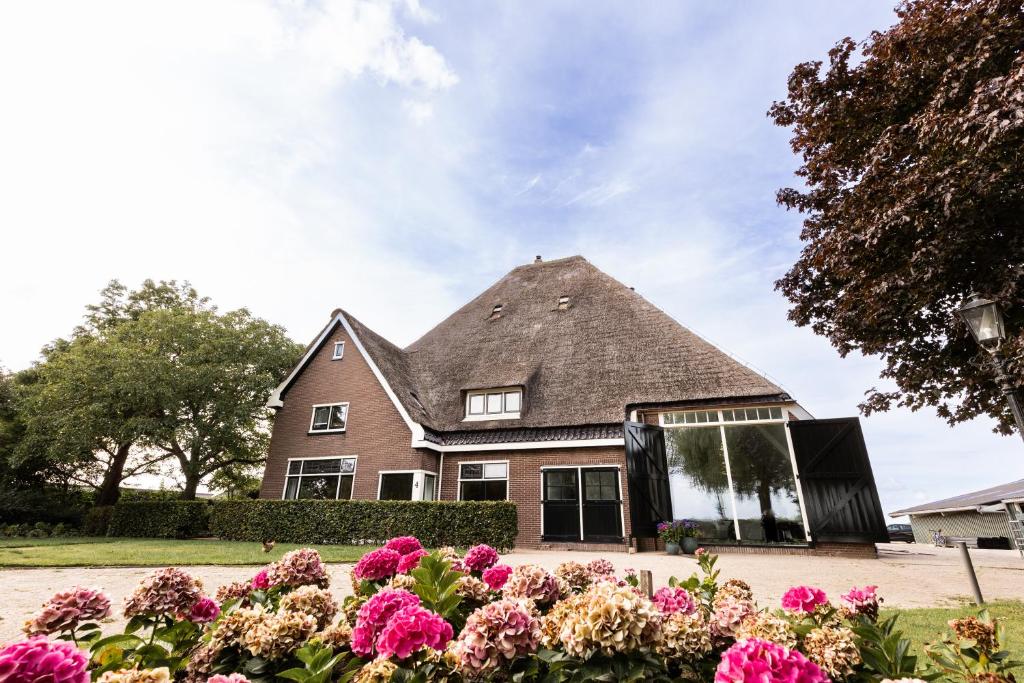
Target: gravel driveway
[[907, 576]]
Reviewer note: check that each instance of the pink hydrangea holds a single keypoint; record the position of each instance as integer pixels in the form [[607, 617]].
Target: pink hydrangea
[[669, 600], [260, 582], [411, 628], [759, 661], [728, 615], [302, 567], [600, 567], [410, 561], [66, 610], [39, 659], [403, 545], [803, 599], [165, 591], [496, 576], [532, 582], [373, 616], [377, 564], [230, 678], [862, 600], [496, 634], [204, 611], [480, 557]]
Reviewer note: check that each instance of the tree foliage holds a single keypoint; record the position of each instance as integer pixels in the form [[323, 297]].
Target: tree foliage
[[911, 145]]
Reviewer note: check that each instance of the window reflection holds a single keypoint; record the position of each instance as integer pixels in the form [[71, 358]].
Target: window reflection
[[762, 477], [700, 487]]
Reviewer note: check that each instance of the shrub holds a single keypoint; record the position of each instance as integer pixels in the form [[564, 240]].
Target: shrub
[[96, 520], [435, 523], [160, 519]]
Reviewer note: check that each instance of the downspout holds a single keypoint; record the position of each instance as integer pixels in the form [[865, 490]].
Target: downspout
[[440, 477]]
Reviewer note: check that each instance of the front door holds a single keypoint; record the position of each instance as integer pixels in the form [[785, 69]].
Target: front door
[[582, 504]]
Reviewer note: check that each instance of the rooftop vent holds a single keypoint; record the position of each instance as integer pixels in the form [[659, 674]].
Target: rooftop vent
[[563, 302], [495, 312], [537, 259]]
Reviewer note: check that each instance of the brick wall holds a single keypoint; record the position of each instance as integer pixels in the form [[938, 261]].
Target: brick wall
[[375, 432], [524, 483]]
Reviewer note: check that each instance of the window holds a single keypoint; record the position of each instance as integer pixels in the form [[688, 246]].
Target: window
[[321, 478], [483, 481], [563, 303], [329, 418], [339, 350], [494, 404], [772, 413], [407, 485]]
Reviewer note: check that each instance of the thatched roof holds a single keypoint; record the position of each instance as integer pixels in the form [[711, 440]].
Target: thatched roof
[[583, 363]]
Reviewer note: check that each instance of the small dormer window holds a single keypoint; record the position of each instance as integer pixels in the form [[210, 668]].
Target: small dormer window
[[495, 312], [339, 350], [494, 404], [563, 303]]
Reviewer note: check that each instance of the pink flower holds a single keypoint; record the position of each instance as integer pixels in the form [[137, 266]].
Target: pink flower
[[377, 564], [669, 600], [230, 678], [204, 611], [700, 552], [496, 576], [411, 560], [862, 600], [411, 628], [403, 545], [373, 616], [600, 567], [302, 567], [480, 557], [728, 615], [532, 582], [260, 582], [803, 599], [496, 634], [164, 591], [46, 661], [66, 610], [759, 661]]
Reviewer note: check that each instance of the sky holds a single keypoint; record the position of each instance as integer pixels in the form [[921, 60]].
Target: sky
[[396, 158]]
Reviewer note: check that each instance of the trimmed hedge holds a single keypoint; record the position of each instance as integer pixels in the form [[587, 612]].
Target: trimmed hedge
[[97, 520], [161, 519], [354, 522]]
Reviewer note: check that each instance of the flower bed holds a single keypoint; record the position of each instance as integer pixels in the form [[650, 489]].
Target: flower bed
[[419, 616]]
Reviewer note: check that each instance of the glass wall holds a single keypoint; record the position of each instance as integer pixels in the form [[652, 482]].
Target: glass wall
[[732, 473]]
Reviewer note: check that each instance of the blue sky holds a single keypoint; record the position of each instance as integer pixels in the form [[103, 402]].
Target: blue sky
[[397, 158]]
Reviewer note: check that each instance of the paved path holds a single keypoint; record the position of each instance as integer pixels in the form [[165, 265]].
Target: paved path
[[907, 576]]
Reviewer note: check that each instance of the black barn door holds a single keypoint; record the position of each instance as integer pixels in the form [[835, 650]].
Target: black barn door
[[835, 476], [561, 505], [650, 500]]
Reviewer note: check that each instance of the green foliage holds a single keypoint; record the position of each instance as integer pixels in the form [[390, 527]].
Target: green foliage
[[975, 653], [435, 585], [160, 519], [97, 520], [435, 523], [560, 667], [885, 651], [319, 663], [148, 642]]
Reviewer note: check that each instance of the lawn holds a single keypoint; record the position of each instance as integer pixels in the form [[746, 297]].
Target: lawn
[[143, 552], [925, 624]]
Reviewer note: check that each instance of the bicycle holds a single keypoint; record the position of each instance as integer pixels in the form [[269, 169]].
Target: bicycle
[[938, 539]]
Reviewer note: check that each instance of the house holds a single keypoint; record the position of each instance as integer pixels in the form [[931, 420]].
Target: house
[[567, 392], [992, 513]]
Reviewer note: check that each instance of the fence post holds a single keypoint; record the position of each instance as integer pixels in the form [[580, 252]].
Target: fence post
[[969, 566], [646, 583]]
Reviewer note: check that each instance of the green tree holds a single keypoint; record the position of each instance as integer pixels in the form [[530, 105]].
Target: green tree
[[914, 198]]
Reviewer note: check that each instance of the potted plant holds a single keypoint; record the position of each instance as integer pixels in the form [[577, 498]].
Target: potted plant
[[676, 532]]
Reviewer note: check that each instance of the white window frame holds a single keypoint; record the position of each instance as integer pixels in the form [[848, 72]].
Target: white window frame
[[503, 413], [288, 467], [579, 494], [506, 478], [721, 423], [312, 417], [339, 350], [417, 482]]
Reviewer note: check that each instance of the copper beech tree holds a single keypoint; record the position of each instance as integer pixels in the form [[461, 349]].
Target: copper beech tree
[[912, 148]]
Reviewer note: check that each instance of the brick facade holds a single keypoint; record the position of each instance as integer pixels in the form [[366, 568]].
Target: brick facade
[[375, 432]]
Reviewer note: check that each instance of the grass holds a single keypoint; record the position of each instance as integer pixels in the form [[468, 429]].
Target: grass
[[922, 625], [145, 552]]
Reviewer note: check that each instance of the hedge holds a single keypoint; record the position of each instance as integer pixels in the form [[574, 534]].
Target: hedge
[[161, 519], [354, 522]]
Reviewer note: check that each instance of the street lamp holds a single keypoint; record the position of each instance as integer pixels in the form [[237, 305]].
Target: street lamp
[[984, 319]]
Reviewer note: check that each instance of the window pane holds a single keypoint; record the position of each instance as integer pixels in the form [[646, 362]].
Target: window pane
[[727, 416], [600, 485], [495, 470], [476, 404], [321, 466], [762, 414], [751, 413], [762, 476], [689, 418], [396, 486], [472, 471], [512, 401], [471, 490], [345, 493], [348, 465], [560, 485], [292, 489], [339, 348], [295, 467], [700, 487], [428, 486], [495, 490], [775, 413], [493, 403], [320, 416], [338, 416], [318, 487]]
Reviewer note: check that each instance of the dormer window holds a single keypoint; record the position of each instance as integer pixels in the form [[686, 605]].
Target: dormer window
[[339, 350], [563, 303], [496, 312], [494, 404]]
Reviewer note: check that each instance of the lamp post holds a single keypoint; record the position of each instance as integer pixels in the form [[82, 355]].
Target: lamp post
[[984, 319]]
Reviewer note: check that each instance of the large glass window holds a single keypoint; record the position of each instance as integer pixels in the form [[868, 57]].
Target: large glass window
[[483, 481], [735, 480], [396, 486], [321, 478]]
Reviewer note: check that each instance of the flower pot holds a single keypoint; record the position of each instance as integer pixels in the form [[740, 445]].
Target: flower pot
[[672, 548], [690, 545]]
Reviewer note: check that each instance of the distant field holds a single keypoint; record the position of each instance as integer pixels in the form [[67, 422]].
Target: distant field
[[143, 552]]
